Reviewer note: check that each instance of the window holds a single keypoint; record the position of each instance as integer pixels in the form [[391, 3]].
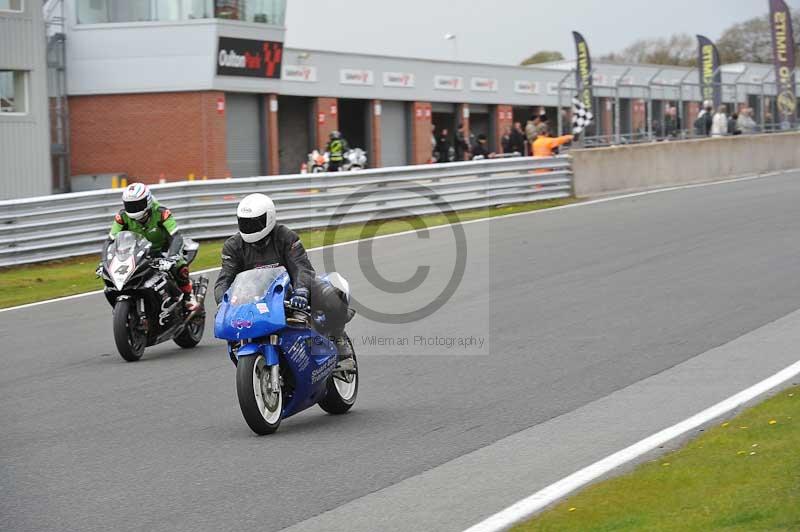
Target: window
[[13, 91], [11, 5], [262, 11], [102, 11]]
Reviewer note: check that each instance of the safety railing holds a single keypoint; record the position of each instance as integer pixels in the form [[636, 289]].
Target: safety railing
[[69, 225]]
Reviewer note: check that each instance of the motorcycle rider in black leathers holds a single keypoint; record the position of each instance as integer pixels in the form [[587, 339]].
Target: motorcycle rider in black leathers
[[263, 243]]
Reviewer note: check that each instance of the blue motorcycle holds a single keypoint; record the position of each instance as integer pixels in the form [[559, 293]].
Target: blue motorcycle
[[285, 362]]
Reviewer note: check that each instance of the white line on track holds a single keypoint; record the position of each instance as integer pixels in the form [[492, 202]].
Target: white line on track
[[570, 206], [543, 498]]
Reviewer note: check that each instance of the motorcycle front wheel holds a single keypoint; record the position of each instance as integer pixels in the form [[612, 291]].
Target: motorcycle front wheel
[[261, 405], [130, 340]]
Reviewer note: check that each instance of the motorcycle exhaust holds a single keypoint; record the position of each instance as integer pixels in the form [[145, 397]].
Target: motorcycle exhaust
[[202, 290]]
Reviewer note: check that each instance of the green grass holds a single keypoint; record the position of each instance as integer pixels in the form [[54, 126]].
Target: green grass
[[742, 475], [38, 282]]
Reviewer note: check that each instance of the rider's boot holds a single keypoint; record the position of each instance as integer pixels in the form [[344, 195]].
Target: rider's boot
[[343, 346], [189, 299]]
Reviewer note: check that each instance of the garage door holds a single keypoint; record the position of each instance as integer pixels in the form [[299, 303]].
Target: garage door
[[244, 138], [394, 134]]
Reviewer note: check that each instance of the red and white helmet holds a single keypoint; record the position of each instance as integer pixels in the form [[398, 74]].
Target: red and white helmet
[[137, 200]]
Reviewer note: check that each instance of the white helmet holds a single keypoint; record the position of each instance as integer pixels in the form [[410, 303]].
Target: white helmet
[[137, 200], [256, 215]]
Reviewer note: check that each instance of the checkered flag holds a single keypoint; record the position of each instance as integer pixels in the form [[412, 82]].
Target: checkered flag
[[581, 117]]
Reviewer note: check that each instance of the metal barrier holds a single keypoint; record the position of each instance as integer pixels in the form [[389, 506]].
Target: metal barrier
[[69, 225]]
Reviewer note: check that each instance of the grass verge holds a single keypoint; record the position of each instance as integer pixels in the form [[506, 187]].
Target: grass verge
[[741, 475], [38, 282]]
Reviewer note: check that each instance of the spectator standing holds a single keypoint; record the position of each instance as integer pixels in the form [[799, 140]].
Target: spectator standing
[[434, 153], [719, 125], [517, 144], [733, 124], [530, 129], [480, 150], [746, 123], [669, 123], [443, 146], [337, 147], [704, 120], [505, 140]]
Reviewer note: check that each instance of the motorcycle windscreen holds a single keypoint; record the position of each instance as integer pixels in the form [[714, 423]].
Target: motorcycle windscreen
[[251, 307], [251, 286], [123, 255], [124, 245]]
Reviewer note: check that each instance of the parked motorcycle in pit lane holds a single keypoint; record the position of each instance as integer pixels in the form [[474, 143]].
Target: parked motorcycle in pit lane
[[284, 367], [355, 159], [318, 162], [148, 305]]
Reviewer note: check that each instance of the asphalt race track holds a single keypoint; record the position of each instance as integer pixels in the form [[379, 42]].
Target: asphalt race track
[[570, 305]]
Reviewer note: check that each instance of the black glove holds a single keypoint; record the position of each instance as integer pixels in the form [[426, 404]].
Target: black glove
[[299, 300]]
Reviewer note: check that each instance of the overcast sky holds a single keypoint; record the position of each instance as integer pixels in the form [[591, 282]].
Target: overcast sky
[[505, 34]]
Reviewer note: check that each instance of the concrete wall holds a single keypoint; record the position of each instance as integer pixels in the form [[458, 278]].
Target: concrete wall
[[627, 168]]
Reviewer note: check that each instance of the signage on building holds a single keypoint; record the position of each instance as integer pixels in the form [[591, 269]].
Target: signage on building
[[526, 87], [246, 57], [398, 79], [303, 73], [448, 83], [484, 84], [349, 76], [552, 88]]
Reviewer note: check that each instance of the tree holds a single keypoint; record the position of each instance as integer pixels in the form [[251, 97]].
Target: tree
[[679, 49], [751, 41], [545, 56]]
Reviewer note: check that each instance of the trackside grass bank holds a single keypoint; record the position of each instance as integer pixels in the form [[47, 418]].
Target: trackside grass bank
[[742, 475], [38, 282]]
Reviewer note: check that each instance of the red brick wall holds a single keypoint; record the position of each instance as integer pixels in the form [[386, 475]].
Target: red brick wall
[[421, 123], [273, 139], [375, 157], [326, 111], [149, 135], [504, 117], [639, 115], [461, 110], [692, 110]]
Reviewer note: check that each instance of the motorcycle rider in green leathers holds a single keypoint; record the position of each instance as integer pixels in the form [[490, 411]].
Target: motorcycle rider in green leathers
[[143, 215]]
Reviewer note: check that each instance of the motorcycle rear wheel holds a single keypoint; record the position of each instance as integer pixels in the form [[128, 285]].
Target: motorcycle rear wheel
[[193, 332], [342, 389], [129, 339], [261, 406]]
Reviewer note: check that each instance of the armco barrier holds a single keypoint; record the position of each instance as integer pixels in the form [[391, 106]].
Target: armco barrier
[[68, 225], [600, 171]]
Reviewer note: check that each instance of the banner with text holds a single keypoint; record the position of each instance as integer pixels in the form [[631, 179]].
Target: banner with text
[[246, 57], [583, 73], [710, 73], [780, 20]]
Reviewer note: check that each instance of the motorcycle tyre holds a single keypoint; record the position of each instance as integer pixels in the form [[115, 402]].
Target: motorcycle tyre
[[128, 352]]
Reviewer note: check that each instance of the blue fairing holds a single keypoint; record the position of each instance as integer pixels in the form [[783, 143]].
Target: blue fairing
[[251, 314]]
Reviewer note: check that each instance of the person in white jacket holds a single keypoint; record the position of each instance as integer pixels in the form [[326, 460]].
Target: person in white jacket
[[719, 126]]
